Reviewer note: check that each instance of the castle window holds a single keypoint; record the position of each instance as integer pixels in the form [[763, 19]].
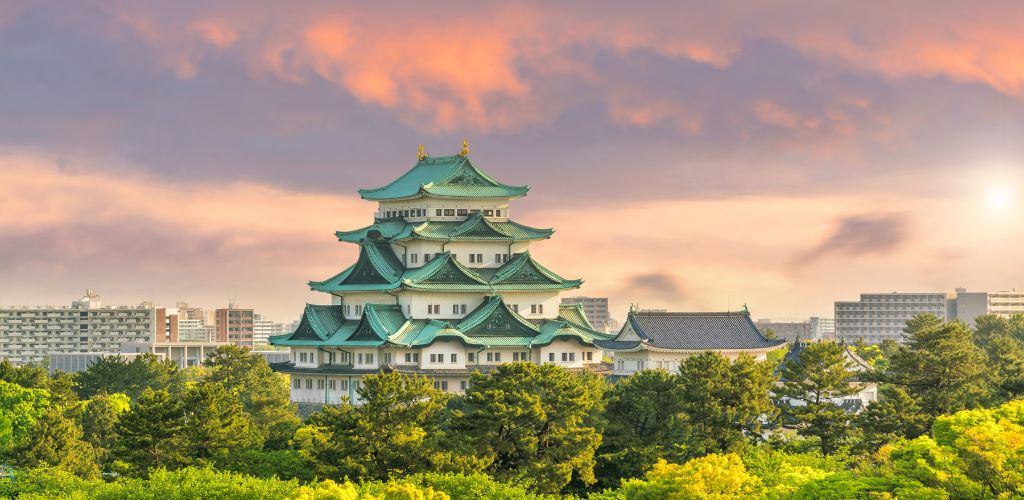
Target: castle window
[[462, 385], [471, 357], [297, 383], [309, 383], [488, 213], [455, 358], [479, 258], [332, 385], [449, 212], [408, 357], [463, 212], [414, 257], [438, 212], [490, 356], [497, 213], [551, 357]]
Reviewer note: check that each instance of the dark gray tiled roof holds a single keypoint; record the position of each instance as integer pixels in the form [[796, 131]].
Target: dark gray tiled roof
[[617, 344], [696, 331]]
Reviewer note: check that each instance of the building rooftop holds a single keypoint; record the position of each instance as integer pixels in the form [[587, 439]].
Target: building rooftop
[[444, 177], [690, 331]]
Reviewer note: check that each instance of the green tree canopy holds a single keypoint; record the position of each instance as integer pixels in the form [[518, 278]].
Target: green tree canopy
[[152, 434], [57, 441], [726, 402], [531, 422], [940, 366], [813, 384], [117, 374]]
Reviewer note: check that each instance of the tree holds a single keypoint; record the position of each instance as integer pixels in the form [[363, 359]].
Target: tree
[[396, 430], [264, 395], [21, 410], [116, 374], [99, 417], [1003, 343], [28, 376], [990, 443], [152, 433], [530, 421], [711, 476], [726, 402], [215, 424], [644, 422], [894, 416], [940, 366], [57, 441], [813, 383]]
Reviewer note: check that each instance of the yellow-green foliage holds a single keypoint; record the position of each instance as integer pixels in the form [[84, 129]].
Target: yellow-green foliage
[[709, 477]]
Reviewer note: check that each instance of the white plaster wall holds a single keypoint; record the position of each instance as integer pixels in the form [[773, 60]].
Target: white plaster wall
[[361, 299], [567, 346], [433, 204], [445, 349]]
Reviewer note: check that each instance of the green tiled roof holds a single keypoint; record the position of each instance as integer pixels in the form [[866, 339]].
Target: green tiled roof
[[475, 228], [492, 324], [444, 177], [493, 317], [573, 313], [379, 269]]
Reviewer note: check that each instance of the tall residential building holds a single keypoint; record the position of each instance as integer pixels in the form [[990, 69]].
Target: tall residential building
[[969, 305], [29, 334], [595, 308], [789, 330], [444, 286], [879, 316], [264, 328], [823, 328], [235, 326]]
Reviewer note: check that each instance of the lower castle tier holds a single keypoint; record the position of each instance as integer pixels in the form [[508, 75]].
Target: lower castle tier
[[444, 285]]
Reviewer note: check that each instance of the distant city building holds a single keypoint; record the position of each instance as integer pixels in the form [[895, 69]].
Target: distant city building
[[184, 354], [30, 334], [235, 326], [595, 309], [79, 361], [263, 329], [662, 340], [880, 316], [967, 306], [787, 330], [823, 328]]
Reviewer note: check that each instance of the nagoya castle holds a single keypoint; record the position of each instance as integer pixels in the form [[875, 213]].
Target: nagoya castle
[[444, 286]]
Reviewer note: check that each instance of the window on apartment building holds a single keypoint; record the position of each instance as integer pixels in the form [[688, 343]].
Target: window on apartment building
[[463, 212], [309, 383], [449, 212], [297, 383], [455, 357]]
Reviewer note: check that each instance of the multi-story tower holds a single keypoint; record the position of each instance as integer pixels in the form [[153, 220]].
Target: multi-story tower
[[879, 316], [235, 326], [444, 285], [30, 334]]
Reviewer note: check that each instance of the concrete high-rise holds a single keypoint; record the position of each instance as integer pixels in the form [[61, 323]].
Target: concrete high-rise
[[30, 334], [880, 316], [235, 326]]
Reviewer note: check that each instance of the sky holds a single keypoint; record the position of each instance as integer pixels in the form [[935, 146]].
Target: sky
[[690, 155]]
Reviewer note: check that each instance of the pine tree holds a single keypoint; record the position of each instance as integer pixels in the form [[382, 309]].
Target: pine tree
[[152, 434], [57, 442], [813, 383]]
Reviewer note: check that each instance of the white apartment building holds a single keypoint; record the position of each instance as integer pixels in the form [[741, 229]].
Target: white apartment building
[[263, 329], [879, 316], [823, 328], [30, 334]]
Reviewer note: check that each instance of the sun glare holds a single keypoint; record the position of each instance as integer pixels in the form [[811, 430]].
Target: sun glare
[[999, 196]]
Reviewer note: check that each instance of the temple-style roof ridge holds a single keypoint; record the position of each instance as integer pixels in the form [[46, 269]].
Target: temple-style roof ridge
[[522, 269], [494, 317], [378, 322], [377, 264], [318, 322], [443, 269], [444, 177], [400, 230], [655, 330]]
